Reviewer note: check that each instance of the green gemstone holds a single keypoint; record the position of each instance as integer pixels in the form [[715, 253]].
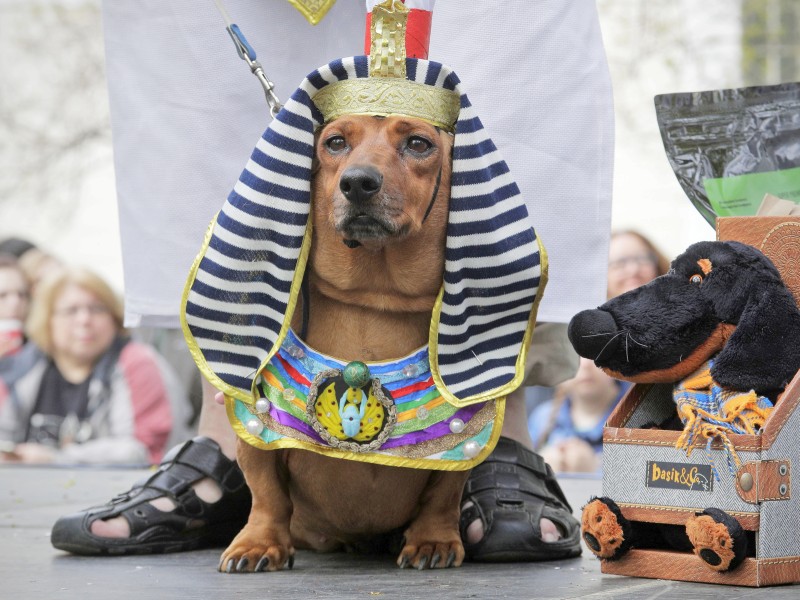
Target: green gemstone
[[356, 374]]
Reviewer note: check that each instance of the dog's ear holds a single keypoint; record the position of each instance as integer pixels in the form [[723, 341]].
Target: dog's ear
[[763, 353], [242, 288], [495, 272]]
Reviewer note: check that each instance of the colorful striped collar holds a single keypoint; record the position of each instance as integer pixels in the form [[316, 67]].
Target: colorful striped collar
[[302, 404]]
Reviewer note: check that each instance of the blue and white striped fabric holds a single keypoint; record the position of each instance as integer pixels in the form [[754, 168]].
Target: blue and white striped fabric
[[243, 285]]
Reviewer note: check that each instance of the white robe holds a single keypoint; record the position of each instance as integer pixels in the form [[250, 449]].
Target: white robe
[[186, 113]]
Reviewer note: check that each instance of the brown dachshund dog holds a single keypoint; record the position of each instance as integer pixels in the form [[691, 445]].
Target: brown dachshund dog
[[379, 208]]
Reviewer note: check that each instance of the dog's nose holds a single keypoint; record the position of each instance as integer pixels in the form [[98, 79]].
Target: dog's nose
[[592, 333], [359, 184]]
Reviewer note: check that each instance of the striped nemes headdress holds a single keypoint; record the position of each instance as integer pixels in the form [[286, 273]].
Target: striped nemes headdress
[[242, 289]]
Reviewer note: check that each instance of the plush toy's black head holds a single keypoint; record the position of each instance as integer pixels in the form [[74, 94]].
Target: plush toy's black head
[[721, 297]]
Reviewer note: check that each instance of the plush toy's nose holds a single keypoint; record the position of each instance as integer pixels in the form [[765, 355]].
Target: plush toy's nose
[[359, 184], [593, 333]]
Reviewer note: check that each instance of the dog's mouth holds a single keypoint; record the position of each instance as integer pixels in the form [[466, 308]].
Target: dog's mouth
[[361, 226]]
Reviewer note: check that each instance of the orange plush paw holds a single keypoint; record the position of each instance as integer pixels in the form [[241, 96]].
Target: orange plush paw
[[718, 539], [606, 533]]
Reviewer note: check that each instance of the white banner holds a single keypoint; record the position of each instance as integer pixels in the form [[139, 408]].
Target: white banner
[[186, 114]]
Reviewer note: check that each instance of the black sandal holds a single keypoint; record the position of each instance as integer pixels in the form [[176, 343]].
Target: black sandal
[[510, 491], [192, 524]]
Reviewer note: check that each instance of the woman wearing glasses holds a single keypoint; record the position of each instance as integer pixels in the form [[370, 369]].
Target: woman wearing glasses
[[568, 429], [80, 391], [633, 260]]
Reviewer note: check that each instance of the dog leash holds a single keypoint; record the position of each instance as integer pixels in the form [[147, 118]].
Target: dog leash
[[248, 54]]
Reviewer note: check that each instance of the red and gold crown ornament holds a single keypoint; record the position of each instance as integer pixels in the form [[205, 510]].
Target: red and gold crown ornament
[[416, 26], [395, 31]]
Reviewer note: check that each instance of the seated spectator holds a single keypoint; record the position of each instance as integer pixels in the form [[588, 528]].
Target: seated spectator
[[80, 391], [15, 247], [38, 265], [568, 430], [34, 262], [633, 260], [14, 303]]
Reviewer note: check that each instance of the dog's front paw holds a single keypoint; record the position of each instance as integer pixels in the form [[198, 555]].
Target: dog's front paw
[[250, 552], [431, 555]]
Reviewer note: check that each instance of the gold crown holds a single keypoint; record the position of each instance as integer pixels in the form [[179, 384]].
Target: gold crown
[[386, 91]]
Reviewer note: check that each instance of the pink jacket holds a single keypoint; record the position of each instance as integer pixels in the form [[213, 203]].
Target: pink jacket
[[137, 407]]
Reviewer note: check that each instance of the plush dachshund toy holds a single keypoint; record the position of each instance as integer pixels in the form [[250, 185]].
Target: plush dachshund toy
[[722, 326]]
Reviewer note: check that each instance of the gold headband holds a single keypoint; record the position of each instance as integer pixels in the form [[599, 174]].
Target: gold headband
[[386, 91]]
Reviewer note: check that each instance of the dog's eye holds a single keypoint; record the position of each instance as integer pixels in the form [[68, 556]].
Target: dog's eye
[[418, 144], [696, 278], [336, 143]]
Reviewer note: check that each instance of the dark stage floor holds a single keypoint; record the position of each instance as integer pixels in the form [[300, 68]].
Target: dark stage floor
[[32, 498]]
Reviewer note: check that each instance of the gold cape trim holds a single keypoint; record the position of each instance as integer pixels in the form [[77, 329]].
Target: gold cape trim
[[374, 458], [385, 97], [313, 10], [194, 348], [479, 420], [433, 345]]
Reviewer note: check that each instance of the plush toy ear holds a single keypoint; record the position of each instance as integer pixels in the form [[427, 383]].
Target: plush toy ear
[[763, 353]]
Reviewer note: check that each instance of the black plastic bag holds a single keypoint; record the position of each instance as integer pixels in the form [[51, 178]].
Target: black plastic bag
[[730, 147]]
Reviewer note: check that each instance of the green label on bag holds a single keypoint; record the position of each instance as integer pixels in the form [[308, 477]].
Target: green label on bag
[[741, 195], [679, 476]]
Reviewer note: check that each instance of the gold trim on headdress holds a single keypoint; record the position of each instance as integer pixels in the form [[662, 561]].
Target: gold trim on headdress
[[387, 92], [389, 96]]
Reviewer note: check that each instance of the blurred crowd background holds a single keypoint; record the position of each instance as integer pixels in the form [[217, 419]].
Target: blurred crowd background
[[56, 166], [56, 169]]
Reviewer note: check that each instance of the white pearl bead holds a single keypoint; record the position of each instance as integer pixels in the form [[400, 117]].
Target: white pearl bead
[[410, 370], [262, 406], [472, 449], [254, 427], [456, 425]]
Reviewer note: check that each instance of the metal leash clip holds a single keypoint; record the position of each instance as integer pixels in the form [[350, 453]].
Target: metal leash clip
[[248, 54]]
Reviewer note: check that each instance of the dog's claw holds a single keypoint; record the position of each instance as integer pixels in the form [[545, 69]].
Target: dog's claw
[[229, 566], [423, 562], [262, 564], [451, 558], [242, 564], [290, 562], [403, 562], [435, 560]]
